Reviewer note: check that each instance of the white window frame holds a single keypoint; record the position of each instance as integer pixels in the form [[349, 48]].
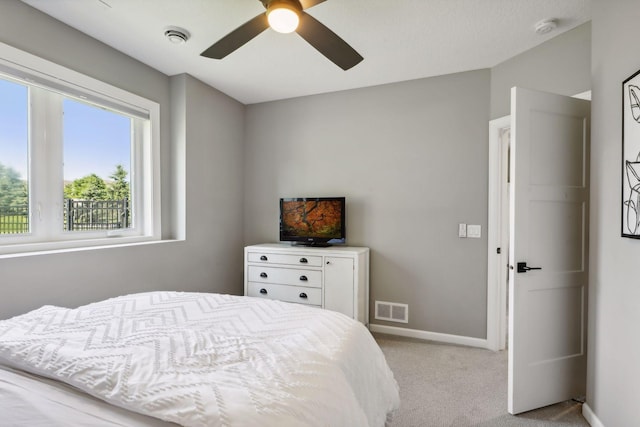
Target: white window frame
[[45, 196]]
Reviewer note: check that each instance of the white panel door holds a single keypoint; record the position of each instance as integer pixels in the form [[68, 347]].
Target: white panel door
[[549, 226]]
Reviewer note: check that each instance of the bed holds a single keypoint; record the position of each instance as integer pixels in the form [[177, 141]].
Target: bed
[[192, 359]]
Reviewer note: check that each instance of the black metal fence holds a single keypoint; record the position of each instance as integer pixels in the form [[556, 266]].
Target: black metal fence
[[79, 215], [14, 219], [96, 214]]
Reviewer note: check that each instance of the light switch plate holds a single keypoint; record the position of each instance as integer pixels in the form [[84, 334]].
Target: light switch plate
[[474, 231], [462, 230]]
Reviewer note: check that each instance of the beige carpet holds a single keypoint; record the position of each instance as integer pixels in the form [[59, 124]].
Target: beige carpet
[[453, 386]]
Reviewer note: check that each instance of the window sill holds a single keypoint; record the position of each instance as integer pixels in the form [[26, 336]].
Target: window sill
[[36, 249]]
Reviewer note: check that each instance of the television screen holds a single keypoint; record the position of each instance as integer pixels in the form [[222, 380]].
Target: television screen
[[318, 221]]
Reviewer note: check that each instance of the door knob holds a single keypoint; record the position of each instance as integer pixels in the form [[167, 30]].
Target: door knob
[[522, 267]]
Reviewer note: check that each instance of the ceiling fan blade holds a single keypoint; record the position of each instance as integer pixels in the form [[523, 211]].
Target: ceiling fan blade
[[327, 42], [306, 4], [237, 37]]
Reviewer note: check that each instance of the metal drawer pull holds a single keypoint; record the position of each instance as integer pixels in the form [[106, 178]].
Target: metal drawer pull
[[263, 291], [264, 258], [303, 295], [303, 261], [263, 275], [303, 278]]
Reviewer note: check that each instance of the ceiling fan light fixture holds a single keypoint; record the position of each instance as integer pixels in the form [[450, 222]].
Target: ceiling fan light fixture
[[284, 16]]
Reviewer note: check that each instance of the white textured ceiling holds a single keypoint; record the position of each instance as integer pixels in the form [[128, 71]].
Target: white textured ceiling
[[399, 39]]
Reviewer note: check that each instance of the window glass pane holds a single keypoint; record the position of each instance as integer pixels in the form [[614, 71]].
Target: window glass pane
[[97, 168], [14, 158]]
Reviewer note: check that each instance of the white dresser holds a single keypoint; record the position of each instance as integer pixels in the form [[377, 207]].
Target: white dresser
[[335, 278]]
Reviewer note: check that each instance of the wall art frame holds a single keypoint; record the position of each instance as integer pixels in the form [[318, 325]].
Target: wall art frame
[[630, 220]]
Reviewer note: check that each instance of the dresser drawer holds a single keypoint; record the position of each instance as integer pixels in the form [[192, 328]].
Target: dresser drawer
[[288, 259], [299, 294], [284, 276]]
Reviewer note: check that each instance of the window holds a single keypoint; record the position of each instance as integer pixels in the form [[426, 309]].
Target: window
[[78, 159], [96, 160], [14, 143]]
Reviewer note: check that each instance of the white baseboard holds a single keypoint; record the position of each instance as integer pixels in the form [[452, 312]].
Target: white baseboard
[[431, 336], [591, 418]]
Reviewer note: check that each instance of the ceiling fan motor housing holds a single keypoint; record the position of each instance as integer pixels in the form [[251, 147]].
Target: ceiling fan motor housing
[[287, 4]]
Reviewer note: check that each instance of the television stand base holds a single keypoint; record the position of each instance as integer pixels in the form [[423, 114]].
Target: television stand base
[[312, 244]]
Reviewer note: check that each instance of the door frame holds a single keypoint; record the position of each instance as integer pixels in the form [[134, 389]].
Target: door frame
[[497, 236]]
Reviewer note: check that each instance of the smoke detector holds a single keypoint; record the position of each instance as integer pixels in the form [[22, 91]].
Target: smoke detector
[[546, 26], [176, 35]]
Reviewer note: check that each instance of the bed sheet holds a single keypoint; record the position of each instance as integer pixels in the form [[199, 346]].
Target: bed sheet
[[29, 400]]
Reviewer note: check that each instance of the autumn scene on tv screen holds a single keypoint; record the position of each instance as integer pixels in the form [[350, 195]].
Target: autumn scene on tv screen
[[312, 218]]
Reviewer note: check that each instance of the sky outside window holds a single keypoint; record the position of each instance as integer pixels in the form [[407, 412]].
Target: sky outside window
[[95, 141], [14, 129]]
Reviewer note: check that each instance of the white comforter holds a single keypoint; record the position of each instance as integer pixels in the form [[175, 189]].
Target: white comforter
[[210, 360]]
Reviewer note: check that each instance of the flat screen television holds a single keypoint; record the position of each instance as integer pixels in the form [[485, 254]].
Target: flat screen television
[[313, 221]]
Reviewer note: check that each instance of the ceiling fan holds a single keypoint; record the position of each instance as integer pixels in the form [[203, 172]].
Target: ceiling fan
[[287, 16]]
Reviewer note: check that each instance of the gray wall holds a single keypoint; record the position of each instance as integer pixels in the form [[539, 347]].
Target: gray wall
[[211, 258], [214, 184], [613, 383], [561, 65], [411, 158]]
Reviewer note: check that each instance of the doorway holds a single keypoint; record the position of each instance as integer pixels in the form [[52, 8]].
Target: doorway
[[498, 233]]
